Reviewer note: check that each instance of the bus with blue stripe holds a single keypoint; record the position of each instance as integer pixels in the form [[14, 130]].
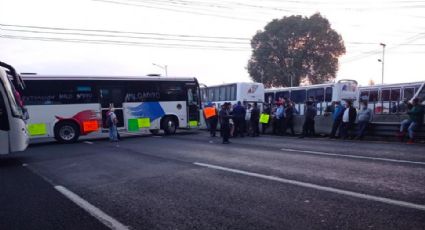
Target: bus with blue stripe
[[67, 107]]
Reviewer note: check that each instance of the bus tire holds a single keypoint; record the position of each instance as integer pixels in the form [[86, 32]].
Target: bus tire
[[67, 132], [169, 125], [154, 131]]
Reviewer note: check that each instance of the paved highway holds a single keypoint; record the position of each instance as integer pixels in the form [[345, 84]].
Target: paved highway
[[192, 181]]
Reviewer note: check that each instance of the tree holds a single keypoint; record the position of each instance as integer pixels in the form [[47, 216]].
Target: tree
[[306, 49]]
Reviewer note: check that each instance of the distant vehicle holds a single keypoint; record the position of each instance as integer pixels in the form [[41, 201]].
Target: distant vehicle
[[67, 107], [322, 94], [13, 130], [390, 98], [244, 92]]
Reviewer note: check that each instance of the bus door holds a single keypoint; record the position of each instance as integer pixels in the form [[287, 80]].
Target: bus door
[[112, 97], [193, 104], [4, 124]]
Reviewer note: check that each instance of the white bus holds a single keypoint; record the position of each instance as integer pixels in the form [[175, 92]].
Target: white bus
[[244, 92], [13, 131], [321, 94], [388, 98], [66, 107]]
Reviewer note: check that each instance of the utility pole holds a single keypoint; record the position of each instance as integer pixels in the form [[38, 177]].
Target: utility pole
[[382, 60]]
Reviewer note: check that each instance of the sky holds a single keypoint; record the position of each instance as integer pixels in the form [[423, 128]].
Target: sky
[[207, 39]]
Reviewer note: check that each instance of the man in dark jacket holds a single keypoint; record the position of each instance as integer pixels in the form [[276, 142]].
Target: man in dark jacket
[[415, 121], [310, 113], [255, 120], [239, 113], [289, 118], [225, 123], [348, 118]]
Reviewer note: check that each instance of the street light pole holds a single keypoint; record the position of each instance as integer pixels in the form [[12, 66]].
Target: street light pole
[[165, 68], [383, 60]]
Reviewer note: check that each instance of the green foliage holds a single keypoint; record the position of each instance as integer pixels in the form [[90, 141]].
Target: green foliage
[[301, 47]]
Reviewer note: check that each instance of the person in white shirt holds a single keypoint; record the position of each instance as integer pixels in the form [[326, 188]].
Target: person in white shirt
[[348, 119]]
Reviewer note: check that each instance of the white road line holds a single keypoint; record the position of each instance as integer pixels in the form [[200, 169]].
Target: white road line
[[24, 165], [94, 211], [319, 187], [354, 156], [88, 142]]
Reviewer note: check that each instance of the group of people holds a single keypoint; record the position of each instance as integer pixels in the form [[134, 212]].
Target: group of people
[[347, 121], [344, 118], [283, 117], [235, 121]]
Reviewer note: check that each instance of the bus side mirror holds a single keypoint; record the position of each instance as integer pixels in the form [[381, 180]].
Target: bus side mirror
[[25, 114]]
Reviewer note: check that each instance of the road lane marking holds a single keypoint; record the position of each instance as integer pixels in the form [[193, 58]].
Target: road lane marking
[[318, 187], [94, 211], [88, 142], [354, 156]]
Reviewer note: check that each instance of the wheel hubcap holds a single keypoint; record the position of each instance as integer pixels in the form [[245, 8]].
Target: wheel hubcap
[[67, 133]]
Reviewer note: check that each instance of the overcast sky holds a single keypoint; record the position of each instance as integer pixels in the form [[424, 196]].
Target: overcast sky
[[207, 39]]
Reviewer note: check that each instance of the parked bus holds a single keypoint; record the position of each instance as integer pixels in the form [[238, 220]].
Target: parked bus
[[321, 94], [13, 130], [241, 91], [67, 107], [390, 98], [245, 92]]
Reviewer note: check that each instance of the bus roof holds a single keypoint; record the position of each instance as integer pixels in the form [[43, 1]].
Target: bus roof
[[391, 85], [105, 78], [232, 83]]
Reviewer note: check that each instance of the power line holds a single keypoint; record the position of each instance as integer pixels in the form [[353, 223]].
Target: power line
[[177, 10], [128, 43], [124, 32], [122, 36]]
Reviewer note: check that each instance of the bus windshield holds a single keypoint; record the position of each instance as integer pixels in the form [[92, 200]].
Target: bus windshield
[[12, 95]]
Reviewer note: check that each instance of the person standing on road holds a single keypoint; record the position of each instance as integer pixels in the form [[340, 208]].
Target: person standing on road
[[364, 118], [239, 113], [248, 119], [225, 122], [280, 116], [310, 113], [348, 119], [213, 120], [255, 120], [416, 118], [289, 118], [111, 120], [266, 110], [337, 113]]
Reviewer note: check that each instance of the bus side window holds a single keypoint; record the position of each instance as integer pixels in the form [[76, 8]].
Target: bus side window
[[4, 121], [408, 93], [395, 94], [373, 96], [328, 94], [385, 95], [298, 96], [364, 95]]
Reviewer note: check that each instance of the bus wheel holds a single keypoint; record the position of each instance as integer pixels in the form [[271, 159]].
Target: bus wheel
[[154, 131], [66, 132], [169, 125]]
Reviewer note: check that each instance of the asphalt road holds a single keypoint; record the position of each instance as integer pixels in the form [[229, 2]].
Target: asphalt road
[[192, 181]]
